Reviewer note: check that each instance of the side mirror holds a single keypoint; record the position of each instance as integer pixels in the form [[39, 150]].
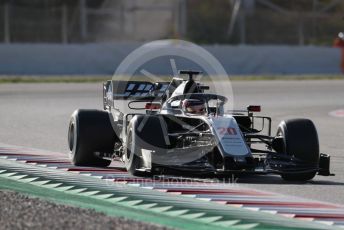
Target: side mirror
[[153, 106], [254, 108]]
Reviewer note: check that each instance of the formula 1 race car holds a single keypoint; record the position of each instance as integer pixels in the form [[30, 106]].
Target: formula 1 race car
[[185, 130]]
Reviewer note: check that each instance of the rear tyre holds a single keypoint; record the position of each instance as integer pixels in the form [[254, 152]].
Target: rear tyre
[[149, 136], [90, 131], [300, 139], [131, 159]]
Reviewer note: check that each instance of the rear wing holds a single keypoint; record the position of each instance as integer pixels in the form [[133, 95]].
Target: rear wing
[[134, 90]]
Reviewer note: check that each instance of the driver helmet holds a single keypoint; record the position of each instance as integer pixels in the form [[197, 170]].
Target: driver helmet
[[193, 106], [341, 35]]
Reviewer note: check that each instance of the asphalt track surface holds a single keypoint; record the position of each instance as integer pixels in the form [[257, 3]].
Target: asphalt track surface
[[37, 115]]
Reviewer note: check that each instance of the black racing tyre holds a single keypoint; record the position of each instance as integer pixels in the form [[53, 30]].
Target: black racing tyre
[[300, 139], [144, 132], [90, 131], [131, 159]]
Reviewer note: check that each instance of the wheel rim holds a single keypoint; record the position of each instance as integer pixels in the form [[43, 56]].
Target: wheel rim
[[281, 134], [71, 137], [129, 145]]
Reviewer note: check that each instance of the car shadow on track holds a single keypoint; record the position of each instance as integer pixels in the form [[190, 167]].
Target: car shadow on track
[[242, 179], [275, 179]]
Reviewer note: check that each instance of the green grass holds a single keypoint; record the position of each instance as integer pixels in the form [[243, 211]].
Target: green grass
[[52, 79], [102, 78], [286, 77]]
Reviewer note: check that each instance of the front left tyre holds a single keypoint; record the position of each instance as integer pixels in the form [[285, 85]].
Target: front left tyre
[[144, 132], [300, 140], [90, 131]]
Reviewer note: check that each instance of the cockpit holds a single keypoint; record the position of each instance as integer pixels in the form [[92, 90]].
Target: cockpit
[[197, 104]]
